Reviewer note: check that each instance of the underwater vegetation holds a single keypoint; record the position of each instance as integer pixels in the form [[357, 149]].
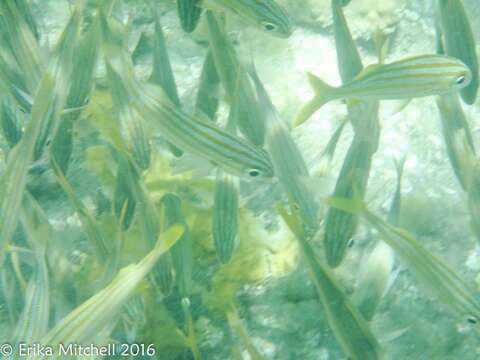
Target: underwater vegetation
[[239, 179]]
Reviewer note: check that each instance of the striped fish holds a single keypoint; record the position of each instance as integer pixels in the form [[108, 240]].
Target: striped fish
[[266, 15], [459, 42], [417, 76], [346, 322], [430, 271], [239, 91], [90, 320], [189, 13], [225, 215], [204, 138], [181, 253], [189, 133]]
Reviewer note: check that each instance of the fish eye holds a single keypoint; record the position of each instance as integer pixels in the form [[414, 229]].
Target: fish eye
[[460, 80], [472, 320], [268, 26], [253, 172]]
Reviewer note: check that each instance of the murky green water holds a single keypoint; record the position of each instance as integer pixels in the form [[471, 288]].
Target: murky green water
[[159, 197]]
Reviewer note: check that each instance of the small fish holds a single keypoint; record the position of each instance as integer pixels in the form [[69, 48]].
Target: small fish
[[234, 78], [162, 73], [349, 61], [189, 12], [458, 138], [124, 198], [49, 100], [82, 81], [287, 159], [459, 42], [376, 275], [418, 76], [340, 226], [10, 122], [207, 100], [33, 322], [202, 137], [190, 133], [430, 271], [266, 15], [181, 253], [225, 215], [86, 322], [349, 327]]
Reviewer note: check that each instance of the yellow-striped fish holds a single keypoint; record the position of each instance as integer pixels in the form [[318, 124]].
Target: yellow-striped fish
[[205, 139], [263, 14], [417, 76], [459, 41]]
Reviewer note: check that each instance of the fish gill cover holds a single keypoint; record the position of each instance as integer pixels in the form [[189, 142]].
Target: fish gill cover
[[244, 179]]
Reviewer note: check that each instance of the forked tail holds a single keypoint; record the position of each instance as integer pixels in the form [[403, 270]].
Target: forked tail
[[323, 93]]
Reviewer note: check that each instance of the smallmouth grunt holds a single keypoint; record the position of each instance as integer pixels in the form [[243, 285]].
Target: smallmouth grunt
[[204, 138], [288, 162], [190, 133], [225, 215], [459, 42], [189, 12], [417, 76], [347, 323], [239, 92], [430, 271], [266, 15]]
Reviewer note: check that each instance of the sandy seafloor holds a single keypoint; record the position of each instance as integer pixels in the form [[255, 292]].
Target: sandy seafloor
[[282, 315]]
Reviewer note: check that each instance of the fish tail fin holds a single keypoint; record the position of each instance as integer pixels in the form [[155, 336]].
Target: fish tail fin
[[322, 95]]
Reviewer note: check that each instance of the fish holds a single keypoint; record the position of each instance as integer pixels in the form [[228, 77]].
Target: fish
[[431, 272], [348, 57], [207, 100], [182, 252], [33, 322], [82, 83], [202, 137], [10, 122], [340, 226], [124, 197], [418, 76], [265, 15], [459, 42], [49, 100], [348, 325], [376, 275], [458, 138], [225, 215], [90, 319], [189, 12], [190, 133], [288, 162], [240, 95]]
